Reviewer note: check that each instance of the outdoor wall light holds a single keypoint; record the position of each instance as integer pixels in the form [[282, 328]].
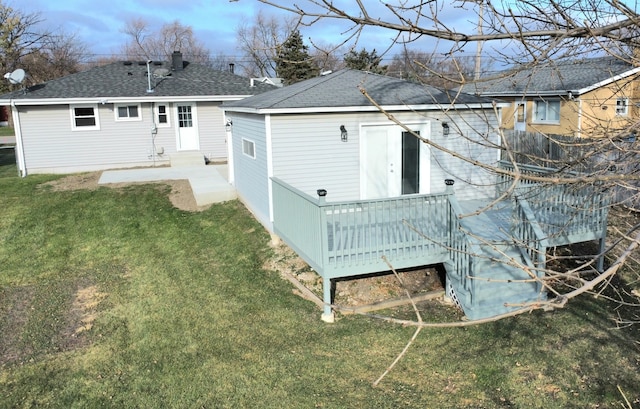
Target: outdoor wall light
[[322, 192], [343, 133], [445, 128], [228, 125]]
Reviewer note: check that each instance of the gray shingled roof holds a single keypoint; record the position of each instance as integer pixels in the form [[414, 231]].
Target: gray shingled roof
[[129, 79], [342, 89], [557, 78]]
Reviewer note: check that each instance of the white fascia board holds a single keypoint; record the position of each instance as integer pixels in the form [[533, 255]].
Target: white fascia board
[[119, 100], [395, 108], [607, 81]]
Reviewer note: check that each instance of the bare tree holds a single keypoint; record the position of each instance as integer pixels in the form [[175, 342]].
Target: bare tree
[[144, 44], [260, 42], [44, 54], [521, 35]]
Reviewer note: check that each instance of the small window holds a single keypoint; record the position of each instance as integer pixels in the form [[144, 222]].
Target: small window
[[547, 111], [622, 106], [84, 118], [162, 116], [249, 148], [128, 113]]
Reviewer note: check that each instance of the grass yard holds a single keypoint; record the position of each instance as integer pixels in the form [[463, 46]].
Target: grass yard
[[114, 298]]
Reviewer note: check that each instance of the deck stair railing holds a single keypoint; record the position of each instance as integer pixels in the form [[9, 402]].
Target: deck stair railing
[[461, 252], [529, 237]]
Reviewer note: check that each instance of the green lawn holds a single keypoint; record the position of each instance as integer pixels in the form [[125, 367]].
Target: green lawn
[[6, 131], [113, 298]]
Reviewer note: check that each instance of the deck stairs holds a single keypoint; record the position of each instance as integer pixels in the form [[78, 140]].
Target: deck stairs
[[500, 281], [495, 275]]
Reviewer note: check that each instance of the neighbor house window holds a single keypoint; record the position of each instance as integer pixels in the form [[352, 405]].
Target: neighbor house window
[[128, 113], [162, 116], [84, 117], [622, 106], [547, 111], [249, 148]]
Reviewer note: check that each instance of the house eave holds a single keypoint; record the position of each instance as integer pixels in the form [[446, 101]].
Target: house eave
[[118, 100], [350, 109]]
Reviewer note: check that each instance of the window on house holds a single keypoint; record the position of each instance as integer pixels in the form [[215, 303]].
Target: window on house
[[622, 106], [128, 113], [162, 115], [547, 111], [84, 117], [249, 148]]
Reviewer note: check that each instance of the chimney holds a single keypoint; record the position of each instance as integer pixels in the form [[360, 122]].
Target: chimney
[[176, 61], [232, 67]]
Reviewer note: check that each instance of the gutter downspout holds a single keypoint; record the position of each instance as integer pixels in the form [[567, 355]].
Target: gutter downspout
[[579, 118], [17, 128]]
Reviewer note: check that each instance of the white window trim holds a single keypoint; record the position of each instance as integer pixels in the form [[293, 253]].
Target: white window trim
[[625, 112], [253, 145], [167, 113], [96, 115], [127, 119], [547, 102]]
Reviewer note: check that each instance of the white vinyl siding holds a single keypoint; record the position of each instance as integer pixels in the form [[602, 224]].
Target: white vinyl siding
[[308, 152], [84, 117], [251, 175], [211, 127], [51, 147]]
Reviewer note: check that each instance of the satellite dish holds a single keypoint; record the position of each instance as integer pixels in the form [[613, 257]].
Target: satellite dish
[[161, 73], [15, 77]]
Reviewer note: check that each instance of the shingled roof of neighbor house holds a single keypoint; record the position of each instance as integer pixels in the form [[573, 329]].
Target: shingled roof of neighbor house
[[555, 78], [129, 79], [342, 90]]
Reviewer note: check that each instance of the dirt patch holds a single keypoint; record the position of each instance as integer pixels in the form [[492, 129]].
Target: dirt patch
[[15, 311], [353, 292], [81, 316], [181, 195]]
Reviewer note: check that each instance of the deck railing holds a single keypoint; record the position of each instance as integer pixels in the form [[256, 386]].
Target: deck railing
[[565, 212], [347, 238]]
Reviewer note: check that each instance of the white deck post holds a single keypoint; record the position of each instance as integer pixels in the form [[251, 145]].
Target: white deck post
[[327, 313]]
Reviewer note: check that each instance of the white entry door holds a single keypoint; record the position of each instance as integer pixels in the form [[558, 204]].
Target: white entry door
[[186, 120], [393, 162]]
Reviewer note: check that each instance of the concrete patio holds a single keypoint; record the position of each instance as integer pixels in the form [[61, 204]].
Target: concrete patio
[[209, 183]]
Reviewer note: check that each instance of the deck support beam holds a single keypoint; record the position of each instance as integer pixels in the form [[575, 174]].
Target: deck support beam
[[601, 249], [327, 312]]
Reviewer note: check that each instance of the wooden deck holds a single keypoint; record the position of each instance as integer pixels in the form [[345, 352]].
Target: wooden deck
[[341, 239]]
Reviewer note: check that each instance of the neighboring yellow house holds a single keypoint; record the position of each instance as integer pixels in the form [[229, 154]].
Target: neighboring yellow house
[[594, 97]]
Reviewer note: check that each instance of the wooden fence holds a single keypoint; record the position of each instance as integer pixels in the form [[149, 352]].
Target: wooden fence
[[588, 156]]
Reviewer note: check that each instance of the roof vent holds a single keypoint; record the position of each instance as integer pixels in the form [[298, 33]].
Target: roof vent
[[127, 63], [157, 63]]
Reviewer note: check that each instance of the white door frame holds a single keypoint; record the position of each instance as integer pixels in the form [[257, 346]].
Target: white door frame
[[187, 138], [386, 165], [520, 125]]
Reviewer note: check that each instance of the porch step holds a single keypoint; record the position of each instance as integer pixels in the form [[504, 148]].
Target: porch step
[[187, 158], [495, 282]]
